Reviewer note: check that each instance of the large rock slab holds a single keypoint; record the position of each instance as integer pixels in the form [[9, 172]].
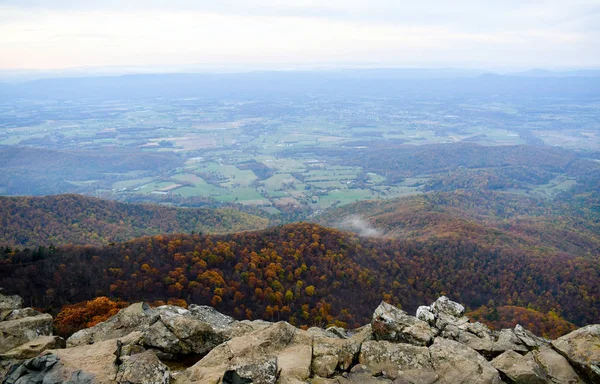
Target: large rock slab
[[211, 316], [159, 337], [476, 336], [136, 317], [582, 348], [456, 363], [104, 362], [334, 354], [393, 324], [33, 348], [520, 369], [194, 336], [16, 314], [14, 333], [508, 341], [557, 368], [93, 364], [98, 361], [444, 305], [255, 356], [43, 369], [397, 360], [143, 368], [171, 330], [10, 302], [528, 339]]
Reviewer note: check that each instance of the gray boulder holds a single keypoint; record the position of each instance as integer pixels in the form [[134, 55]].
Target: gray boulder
[[445, 306], [396, 360], [170, 330], [528, 339], [10, 302], [22, 313], [330, 355], [159, 337], [258, 356], [557, 368], [482, 342], [136, 317], [143, 368], [211, 316], [43, 369], [14, 333], [393, 324], [582, 348], [456, 363], [507, 340], [520, 369], [194, 336], [424, 313], [261, 371], [33, 348]]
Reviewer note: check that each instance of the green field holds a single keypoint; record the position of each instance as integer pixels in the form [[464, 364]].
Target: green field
[[271, 152]]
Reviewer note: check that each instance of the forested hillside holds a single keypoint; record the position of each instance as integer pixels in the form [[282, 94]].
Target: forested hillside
[[307, 274], [493, 220], [494, 167], [76, 219], [40, 171]]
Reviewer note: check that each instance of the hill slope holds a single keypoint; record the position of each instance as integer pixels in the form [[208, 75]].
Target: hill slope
[[305, 273], [40, 171], [492, 220], [76, 219]]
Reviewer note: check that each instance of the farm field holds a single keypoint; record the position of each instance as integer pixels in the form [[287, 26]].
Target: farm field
[[302, 153]]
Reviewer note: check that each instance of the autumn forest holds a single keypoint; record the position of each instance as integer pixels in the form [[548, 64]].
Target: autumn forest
[[481, 232]]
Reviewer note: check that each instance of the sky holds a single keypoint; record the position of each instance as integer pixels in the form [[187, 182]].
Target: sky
[[278, 34]]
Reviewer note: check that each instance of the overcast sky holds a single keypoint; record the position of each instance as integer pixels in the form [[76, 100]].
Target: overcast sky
[[509, 34]]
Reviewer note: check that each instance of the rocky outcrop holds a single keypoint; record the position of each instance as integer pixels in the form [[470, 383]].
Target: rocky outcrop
[[14, 333], [557, 368], [520, 369], [337, 354], [393, 360], [20, 325], [9, 303], [35, 347], [169, 330], [439, 345], [393, 324], [447, 317], [136, 317], [259, 356], [143, 368], [456, 363], [582, 348], [109, 361]]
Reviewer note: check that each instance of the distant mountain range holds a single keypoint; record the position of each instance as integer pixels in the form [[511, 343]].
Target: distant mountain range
[[368, 82]]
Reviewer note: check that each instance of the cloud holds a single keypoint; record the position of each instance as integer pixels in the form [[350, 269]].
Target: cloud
[[468, 15], [60, 34], [360, 226]]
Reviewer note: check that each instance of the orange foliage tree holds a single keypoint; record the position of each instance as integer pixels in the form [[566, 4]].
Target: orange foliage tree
[[78, 316]]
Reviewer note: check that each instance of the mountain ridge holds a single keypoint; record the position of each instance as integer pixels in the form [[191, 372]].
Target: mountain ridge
[[34, 221]]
